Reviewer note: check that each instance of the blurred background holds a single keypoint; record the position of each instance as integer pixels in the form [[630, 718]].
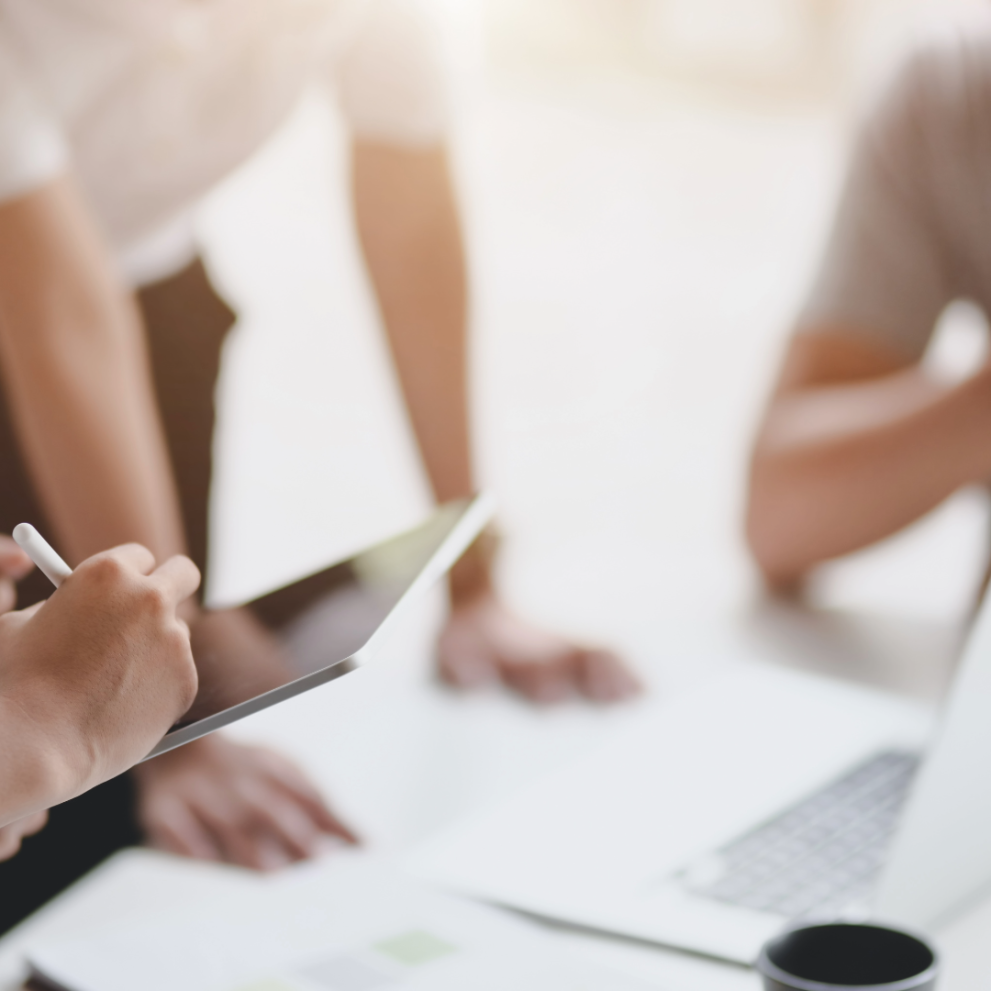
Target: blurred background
[[646, 185]]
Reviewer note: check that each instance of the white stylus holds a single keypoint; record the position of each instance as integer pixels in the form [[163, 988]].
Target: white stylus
[[40, 551]]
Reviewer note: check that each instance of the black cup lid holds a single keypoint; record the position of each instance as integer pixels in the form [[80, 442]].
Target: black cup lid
[[824, 956]]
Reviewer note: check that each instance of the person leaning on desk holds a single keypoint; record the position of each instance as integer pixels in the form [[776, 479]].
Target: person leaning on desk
[[858, 440], [115, 118], [90, 680]]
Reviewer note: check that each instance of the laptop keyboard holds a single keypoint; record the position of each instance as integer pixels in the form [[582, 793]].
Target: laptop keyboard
[[820, 856]]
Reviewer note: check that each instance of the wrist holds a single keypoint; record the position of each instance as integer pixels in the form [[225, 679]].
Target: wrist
[[471, 576], [973, 451]]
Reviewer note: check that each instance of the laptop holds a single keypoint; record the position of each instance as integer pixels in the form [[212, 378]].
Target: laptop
[[763, 797]]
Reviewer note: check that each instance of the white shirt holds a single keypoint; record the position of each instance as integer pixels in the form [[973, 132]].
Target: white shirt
[[151, 102]]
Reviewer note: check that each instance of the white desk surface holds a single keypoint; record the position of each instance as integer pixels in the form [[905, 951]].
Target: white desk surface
[[402, 756]]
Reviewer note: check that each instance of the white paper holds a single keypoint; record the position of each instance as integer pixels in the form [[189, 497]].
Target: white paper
[[348, 924]]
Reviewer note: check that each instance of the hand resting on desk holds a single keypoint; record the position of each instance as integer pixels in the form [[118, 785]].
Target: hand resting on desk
[[484, 642], [213, 799], [217, 800]]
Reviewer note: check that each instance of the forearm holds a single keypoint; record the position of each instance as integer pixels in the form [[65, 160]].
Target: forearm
[[78, 384], [90, 437], [837, 467], [409, 230]]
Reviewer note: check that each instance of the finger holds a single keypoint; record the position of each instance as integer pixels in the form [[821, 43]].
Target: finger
[[172, 826], [272, 855], [271, 808], [323, 818], [32, 824], [282, 772], [326, 819], [463, 665], [260, 827], [283, 775], [14, 563], [12, 834], [289, 825], [467, 671], [20, 618], [10, 842], [235, 834], [245, 848], [178, 577], [545, 682], [603, 677], [133, 556], [8, 595]]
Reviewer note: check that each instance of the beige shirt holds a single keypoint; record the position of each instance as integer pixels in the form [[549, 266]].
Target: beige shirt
[[151, 102], [913, 229]]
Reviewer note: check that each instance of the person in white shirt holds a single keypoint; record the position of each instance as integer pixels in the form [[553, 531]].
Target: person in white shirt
[[116, 116]]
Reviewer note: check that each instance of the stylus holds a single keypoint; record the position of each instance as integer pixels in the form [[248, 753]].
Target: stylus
[[41, 552]]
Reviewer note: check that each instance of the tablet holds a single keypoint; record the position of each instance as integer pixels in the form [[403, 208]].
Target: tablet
[[329, 623]]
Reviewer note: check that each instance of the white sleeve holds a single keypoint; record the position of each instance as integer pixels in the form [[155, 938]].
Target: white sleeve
[[392, 79], [32, 148]]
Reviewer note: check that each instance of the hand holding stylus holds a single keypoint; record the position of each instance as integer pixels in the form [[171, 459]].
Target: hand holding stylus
[[93, 677]]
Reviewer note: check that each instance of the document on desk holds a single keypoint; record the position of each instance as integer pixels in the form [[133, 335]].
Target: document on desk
[[347, 924]]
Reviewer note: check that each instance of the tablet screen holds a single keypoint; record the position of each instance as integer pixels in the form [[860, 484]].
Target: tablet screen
[[309, 632]]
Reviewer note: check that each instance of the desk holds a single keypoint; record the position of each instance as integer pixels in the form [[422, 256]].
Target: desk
[[402, 756]]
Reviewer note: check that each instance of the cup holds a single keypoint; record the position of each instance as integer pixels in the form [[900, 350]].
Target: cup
[[841, 956]]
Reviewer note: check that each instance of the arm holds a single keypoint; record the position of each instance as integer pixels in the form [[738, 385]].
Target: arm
[[858, 441], [409, 229], [410, 233], [75, 370], [855, 445]]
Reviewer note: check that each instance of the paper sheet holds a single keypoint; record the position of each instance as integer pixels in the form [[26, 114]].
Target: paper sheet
[[348, 924]]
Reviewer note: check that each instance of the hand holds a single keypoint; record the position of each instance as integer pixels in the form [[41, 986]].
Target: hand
[[217, 800], [12, 834], [14, 565], [483, 642], [92, 678]]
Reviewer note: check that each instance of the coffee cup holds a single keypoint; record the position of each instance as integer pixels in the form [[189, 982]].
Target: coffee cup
[[847, 956]]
